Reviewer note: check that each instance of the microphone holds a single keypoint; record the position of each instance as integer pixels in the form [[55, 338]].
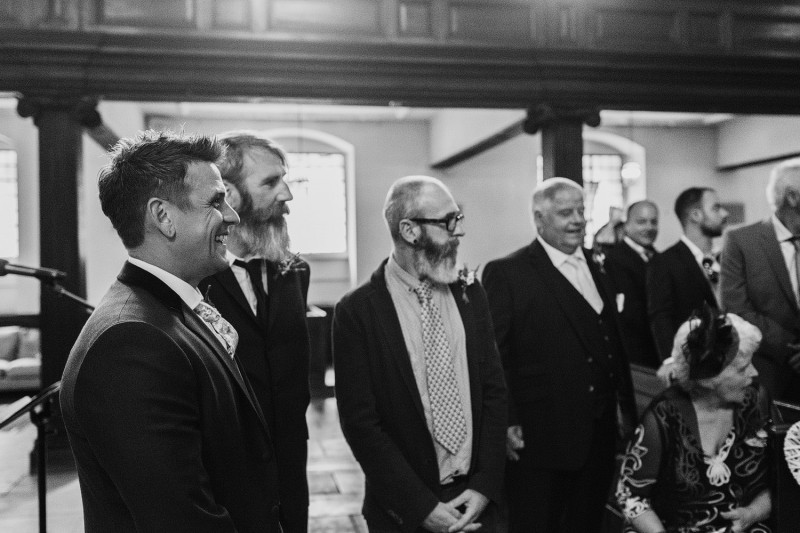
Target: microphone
[[44, 274]]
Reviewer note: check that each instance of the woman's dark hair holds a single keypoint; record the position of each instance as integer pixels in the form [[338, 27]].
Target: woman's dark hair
[[710, 345]]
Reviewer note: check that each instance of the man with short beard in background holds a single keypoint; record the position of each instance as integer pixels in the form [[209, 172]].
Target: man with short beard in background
[[420, 389], [263, 294]]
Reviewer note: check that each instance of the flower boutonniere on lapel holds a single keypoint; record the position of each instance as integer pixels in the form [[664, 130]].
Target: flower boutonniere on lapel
[[466, 277], [291, 264], [599, 259]]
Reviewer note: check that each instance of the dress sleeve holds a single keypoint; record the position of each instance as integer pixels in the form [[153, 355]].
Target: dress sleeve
[[640, 467]]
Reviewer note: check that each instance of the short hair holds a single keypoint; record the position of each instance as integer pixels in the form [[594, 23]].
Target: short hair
[[783, 178], [402, 200], [689, 199], [749, 339], [236, 143], [152, 164], [638, 204], [546, 191]]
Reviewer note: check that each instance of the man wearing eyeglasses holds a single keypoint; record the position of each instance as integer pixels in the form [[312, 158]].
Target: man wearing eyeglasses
[[419, 384], [557, 329], [685, 275]]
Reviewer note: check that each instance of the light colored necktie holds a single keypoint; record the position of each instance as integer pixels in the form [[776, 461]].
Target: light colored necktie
[[586, 285], [221, 327], [449, 424], [796, 243]]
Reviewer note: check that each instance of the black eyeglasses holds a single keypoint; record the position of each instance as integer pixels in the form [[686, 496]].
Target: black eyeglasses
[[450, 221]]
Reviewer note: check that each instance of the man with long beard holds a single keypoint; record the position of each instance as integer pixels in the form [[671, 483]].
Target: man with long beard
[[263, 294], [421, 394]]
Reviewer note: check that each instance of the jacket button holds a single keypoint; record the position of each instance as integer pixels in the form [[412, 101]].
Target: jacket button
[[590, 359], [591, 388]]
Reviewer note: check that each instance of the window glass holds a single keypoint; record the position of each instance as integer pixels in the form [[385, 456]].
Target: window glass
[[318, 218], [9, 205]]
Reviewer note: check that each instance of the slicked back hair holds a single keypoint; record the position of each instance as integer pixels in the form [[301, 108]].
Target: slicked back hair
[[402, 201], [236, 143], [151, 165], [783, 178], [689, 199]]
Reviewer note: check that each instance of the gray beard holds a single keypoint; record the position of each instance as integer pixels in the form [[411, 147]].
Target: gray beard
[[436, 263], [268, 239]]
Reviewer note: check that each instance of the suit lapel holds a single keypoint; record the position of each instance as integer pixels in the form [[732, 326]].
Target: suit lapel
[[465, 309], [772, 251], [276, 284], [392, 335], [697, 276], [227, 280], [572, 303]]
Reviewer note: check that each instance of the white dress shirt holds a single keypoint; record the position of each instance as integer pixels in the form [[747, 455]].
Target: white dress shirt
[[576, 270]]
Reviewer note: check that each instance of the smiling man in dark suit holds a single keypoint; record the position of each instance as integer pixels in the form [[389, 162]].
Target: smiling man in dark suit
[[686, 275], [626, 263], [166, 432], [419, 384], [263, 294], [555, 319], [760, 267]]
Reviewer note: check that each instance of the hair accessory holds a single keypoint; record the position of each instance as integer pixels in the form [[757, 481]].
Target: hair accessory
[[711, 344]]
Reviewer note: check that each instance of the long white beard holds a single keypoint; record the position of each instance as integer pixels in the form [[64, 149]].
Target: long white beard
[[436, 262], [267, 239]]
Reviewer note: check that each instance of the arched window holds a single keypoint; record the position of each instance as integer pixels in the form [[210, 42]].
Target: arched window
[[9, 202]]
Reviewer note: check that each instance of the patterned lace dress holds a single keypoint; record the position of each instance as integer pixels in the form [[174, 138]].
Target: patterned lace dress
[[664, 468]]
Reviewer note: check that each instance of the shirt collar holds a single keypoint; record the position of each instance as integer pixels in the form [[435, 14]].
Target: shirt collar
[[557, 257], [638, 248], [696, 251], [781, 232], [394, 269], [230, 258], [190, 295]]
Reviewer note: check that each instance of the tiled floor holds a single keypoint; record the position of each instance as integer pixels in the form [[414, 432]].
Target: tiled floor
[[335, 481]]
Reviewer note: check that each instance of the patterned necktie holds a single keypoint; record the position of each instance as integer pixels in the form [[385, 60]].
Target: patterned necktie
[[712, 273], [449, 424], [221, 327], [586, 285], [253, 268]]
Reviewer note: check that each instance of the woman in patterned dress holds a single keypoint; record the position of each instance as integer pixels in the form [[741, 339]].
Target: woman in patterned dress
[[698, 461]]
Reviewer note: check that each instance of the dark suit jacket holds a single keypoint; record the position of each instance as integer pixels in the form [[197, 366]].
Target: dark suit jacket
[[676, 286], [757, 287], [381, 411], [628, 272], [540, 322], [275, 358], [167, 435]]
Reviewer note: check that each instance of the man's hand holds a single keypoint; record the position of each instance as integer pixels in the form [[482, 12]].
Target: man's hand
[[473, 503], [441, 518], [514, 442], [794, 360], [666, 372]]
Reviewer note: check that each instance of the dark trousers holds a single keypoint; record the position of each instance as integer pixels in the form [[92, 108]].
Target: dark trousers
[[563, 501], [491, 520], [293, 487]]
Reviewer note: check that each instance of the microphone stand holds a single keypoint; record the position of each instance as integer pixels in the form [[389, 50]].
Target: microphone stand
[[61, 291]]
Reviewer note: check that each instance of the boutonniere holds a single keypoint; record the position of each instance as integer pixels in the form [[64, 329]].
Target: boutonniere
[[599, 259], [466, 277], [291, 264]]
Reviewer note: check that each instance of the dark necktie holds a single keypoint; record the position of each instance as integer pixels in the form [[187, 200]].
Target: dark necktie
[[649, 252], [253, 268]]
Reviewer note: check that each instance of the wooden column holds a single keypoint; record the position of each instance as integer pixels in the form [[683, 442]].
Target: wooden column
[[562, 138], [60, 144]]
